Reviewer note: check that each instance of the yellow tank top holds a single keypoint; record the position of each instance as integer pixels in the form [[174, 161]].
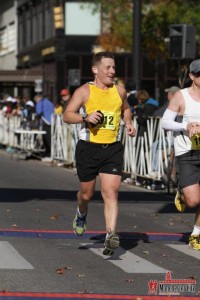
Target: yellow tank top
[[109, 103]]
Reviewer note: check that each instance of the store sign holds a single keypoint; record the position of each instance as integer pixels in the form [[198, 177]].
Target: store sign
[[87, 20], [74, 77], [38, 85]]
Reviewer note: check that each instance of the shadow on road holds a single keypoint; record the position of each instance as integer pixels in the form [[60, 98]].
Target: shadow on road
[[22, 195]]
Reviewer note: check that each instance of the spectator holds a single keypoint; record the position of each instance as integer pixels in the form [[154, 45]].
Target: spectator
[[28, 114], [131, 95], [119, 81], [58, 108], [65, 96], [10, 106], [170, 92], [44, 110], [155, 146], [28, 110], [145, 108]]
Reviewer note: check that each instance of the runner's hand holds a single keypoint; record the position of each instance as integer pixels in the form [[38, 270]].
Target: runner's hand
[[130, 130]]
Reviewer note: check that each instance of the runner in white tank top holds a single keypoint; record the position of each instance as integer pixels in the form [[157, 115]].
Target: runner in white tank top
[[186, 103], [191, 113]]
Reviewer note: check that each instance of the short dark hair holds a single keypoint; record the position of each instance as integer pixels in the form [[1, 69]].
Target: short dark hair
[[142, 95], [97, 57]]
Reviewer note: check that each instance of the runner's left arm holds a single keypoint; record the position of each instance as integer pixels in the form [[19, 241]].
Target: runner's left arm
[[126, 113]]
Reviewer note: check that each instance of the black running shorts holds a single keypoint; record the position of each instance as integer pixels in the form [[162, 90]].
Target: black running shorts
[[92, 159], [188, 168]]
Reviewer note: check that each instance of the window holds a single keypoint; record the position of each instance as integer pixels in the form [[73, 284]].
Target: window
[[40, 27], [28, 29], [35, 29], [48, 23], [7, 39]]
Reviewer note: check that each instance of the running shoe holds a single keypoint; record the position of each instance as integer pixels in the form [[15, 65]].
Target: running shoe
[[111, 243], [180, 205], [79, 224], [194, 242]]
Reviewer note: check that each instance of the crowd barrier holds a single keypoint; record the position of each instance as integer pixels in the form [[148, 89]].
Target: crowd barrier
[[7, 130], [149, 156]]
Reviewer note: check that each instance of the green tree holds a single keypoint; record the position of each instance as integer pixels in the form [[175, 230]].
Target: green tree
[[157, 15]]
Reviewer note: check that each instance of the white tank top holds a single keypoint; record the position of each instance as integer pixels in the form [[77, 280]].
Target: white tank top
[[182, 142]]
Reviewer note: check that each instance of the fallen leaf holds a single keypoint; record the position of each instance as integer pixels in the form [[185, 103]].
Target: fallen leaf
[[145, 252], [154, 215], [14, 225], [84, 292], [192, 277], [129, 280], [81, 275], [60, 271], [53, 217], [68, 268], [171, 223]]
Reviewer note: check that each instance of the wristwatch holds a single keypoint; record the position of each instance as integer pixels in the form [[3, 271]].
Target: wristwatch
[[84, 116]]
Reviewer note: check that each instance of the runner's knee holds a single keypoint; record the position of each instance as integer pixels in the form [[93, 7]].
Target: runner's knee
[[86, 196], [192, 202]]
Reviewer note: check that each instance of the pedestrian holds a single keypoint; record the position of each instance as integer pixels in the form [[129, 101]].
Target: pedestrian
[[131, 95], [58, 108], [44, 110], [144, 109], [185, 106], [156, 144], [65, 97], [170, 92], [28, 115], [99, 150]]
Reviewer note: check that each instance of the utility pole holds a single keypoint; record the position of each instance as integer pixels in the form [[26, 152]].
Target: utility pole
[[137, 7]]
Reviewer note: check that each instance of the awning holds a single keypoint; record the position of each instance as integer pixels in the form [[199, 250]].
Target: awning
[[26, 75]]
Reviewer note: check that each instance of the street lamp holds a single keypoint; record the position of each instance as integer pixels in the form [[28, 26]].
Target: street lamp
[[137, 6]]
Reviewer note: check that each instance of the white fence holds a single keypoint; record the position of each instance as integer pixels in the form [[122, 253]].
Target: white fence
[[146, 156], [7, 127]]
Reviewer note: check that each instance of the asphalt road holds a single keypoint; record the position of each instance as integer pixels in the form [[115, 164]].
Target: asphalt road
[[40, 257]]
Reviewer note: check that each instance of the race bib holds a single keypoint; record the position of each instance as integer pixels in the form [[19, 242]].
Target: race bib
[[109, 121], [195, 140]]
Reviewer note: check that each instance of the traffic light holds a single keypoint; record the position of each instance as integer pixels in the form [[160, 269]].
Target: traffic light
[[58, 17], [182, 41]]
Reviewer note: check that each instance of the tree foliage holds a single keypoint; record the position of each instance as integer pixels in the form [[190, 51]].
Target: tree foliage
[[157, 16]]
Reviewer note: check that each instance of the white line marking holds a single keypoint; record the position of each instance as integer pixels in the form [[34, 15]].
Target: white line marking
[[127, 261], [11, 259], [186, 250]]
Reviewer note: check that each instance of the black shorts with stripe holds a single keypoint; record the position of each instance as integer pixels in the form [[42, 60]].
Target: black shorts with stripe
[[93, 158], [188, 168]]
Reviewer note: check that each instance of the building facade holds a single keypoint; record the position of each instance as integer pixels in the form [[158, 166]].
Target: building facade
[[51, 52]]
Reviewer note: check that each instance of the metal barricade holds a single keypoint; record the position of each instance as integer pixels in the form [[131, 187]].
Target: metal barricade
[[145, 156], [148, 156]]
